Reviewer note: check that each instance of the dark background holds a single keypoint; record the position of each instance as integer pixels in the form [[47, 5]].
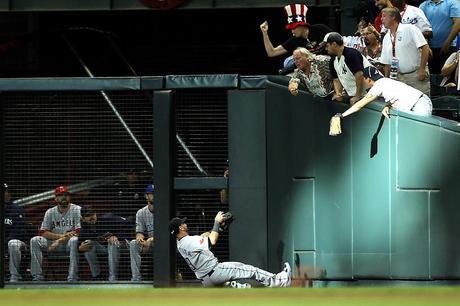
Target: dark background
[[154, 42]]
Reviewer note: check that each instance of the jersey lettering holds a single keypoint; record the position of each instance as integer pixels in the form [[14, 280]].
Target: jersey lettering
[[63, 223]]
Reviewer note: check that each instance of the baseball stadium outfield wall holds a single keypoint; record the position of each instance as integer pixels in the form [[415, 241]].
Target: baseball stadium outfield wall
[[300, 195], [336, 213]]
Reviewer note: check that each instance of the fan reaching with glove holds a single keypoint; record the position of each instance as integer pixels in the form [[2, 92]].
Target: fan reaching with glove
[[398, 95]]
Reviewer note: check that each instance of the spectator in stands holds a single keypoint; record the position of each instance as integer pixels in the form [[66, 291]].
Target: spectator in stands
[[444, 16], [381, 4], [59, 230], [312, 71], [357, 40], [15, 232], [303, 35], [143, 244], [397, 95], [373, 48], [413, 15], [405, 52], [104, 234], [450, 70], [224, 192], [346, 66]]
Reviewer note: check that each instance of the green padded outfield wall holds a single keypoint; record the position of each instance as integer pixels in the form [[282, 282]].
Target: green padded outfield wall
[[331, 210]]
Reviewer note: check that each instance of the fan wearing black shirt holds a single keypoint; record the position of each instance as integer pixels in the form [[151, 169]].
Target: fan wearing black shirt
[[303, 34]]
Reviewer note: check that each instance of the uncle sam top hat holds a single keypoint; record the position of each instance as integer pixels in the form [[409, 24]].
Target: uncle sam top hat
[[296, 15]]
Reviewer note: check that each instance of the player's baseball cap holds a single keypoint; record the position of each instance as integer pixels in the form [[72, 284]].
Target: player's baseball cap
[[174, 225], [149, 189], [61, 190], [333, 37], [372, 73]]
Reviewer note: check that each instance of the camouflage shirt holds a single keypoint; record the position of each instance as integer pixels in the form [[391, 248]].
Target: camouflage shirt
[[319, 81]]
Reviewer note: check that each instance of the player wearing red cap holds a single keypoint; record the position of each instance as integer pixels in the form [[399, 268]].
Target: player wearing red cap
[[59, 231]]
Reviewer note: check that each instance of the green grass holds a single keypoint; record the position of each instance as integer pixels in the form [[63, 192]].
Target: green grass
[[217, 297]]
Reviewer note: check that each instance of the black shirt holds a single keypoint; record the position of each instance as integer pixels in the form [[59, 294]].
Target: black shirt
[[353, 62], [313, 43], [106, 226]]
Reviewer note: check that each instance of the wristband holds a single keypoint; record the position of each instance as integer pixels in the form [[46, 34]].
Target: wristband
[[216, 226]]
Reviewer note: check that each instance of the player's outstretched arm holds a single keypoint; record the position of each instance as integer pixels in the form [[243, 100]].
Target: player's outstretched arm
[[214, 235], [360, 104]]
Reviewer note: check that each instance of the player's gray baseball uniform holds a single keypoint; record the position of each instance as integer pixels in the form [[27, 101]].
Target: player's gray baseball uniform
[[195, 251], [15, 232], [56, 222], [144, 225]]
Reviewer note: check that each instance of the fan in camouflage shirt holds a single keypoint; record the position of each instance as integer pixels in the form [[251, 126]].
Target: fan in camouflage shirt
[[312, 71]]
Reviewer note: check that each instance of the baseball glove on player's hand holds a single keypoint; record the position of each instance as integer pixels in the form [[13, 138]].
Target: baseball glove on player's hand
[[227, 220]]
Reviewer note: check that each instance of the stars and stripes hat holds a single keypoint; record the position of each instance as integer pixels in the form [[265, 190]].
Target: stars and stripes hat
[[296, 15]]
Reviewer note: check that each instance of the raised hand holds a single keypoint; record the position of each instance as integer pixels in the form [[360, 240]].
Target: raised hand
[[264, 27]]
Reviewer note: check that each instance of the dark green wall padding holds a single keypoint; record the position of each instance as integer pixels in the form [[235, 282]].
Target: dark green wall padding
[[332, 211]]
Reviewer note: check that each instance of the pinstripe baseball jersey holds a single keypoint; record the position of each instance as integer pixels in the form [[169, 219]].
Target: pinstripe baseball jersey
[[144, 221], [345, 67], [195, 251], [56, 222]]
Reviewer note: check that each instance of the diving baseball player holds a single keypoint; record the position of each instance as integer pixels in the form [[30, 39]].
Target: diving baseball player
[[144, 229], [14, 235], [59, 231], [196, 252]]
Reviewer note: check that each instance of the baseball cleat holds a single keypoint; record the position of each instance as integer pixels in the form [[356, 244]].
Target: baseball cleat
[[287, 269], [235, 284]]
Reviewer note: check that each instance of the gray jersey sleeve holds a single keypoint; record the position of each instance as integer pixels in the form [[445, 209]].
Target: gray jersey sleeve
[[144, 221], [140, 225], [47, 223], [76, 215]]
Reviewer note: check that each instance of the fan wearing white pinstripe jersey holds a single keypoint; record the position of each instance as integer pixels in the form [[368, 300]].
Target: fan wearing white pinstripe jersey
[[143, 244], [196, 252], [346, 66]]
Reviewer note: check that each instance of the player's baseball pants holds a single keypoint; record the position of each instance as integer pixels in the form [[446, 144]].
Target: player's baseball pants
[[135, 251], [229, 271], [113, 251], [38, 244], [14, 255]]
